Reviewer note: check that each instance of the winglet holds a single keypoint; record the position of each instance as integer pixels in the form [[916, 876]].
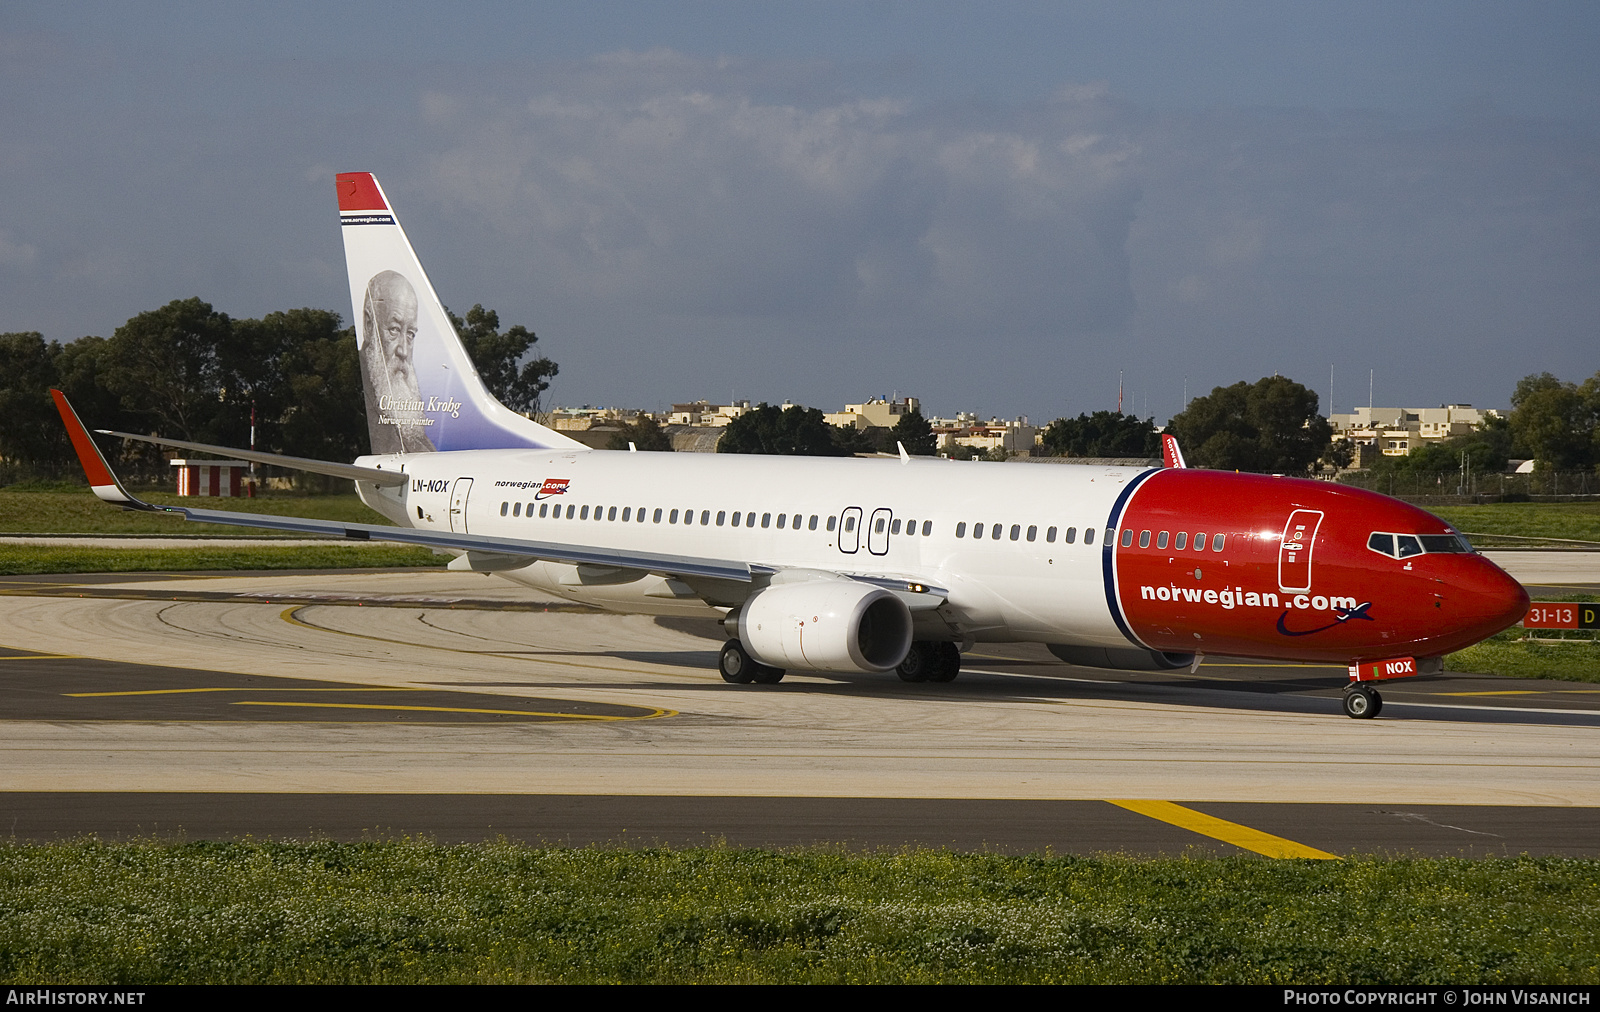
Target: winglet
[[1171, 456], [905, 458], [95, 468]]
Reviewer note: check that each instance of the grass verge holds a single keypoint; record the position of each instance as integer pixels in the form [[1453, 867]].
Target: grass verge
[[16, 560], [81, 513], [1506, 524], [412, 912]]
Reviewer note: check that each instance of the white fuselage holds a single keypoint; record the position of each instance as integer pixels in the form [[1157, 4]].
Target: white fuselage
[[849, 515]]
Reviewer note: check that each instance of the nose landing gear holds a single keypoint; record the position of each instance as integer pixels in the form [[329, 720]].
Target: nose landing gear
[[1362, 703]]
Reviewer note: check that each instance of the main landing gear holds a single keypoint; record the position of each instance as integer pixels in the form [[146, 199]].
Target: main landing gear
[[739, 667], [926, 662], [930, 662], [1362, 703]]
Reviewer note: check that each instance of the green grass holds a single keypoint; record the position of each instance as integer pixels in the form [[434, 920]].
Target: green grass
[[413, 912], [81, 513], [24, 559], [1510, 521]]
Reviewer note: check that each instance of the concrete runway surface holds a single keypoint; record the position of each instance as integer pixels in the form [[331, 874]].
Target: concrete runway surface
[[457, 706]]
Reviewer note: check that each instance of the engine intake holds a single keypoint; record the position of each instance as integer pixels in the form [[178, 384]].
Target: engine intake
[[826, 625]]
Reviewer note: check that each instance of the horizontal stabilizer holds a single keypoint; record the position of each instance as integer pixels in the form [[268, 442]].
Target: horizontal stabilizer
[[376, 475]]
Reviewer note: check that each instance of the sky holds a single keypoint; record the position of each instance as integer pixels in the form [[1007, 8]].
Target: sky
[[1005, 208]]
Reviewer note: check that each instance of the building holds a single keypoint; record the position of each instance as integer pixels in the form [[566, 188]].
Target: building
[[1395, 432], [704, 413], [1016, 436], [878, 413]]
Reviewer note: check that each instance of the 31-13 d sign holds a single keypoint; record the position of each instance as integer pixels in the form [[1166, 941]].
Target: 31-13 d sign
[[1562, 615]]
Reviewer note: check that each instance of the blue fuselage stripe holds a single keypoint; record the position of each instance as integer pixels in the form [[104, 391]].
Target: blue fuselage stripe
[[1109, 545]]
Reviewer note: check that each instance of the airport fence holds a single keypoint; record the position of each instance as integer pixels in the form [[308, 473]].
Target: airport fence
[[1472, 487]]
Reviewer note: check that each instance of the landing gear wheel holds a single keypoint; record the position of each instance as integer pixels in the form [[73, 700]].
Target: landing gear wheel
[[1362, 703], [947, 662], [736, 665], [920, 664], [767, 675]]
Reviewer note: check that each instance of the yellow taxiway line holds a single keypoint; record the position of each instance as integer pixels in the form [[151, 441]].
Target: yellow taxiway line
[[1242, 837]]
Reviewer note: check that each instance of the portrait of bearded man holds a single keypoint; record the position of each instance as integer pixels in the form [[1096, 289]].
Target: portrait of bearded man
[[389, 329]]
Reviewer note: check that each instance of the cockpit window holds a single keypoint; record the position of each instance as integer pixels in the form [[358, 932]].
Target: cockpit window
[[1404, 546]]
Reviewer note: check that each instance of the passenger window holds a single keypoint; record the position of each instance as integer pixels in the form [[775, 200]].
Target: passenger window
[[737, 516], [961, 529], [611, 514], [877, 528], [1144, 539], [994, 532], [544, 509], [1161, 540], [639, 516], [1409, 545], [927, 528], [1070, 537], [688, 516], [849, 524], [1183, 539], [977, 531], [570, 511], [673, 517], [583, 514], [599, 512], [705, 517], [813, 524], [516, 510], [1216, 542], [894, 528], [782, 521], [722, 517], [626, 512], [1033, 532], [1199, 542], [831, 522], [530, 510], [749, 519], [657, 515], [1088, 535], [502, 509], [1016, 531], [766, 520], [1127, 538]]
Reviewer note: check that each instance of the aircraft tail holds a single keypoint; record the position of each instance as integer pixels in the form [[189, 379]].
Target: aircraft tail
[[422, 390]]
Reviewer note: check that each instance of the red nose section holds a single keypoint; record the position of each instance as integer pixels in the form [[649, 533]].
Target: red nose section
[[1288, 569]]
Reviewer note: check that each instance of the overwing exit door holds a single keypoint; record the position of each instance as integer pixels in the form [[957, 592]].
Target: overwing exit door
[[458, 504], [850, 530], [878, 532]]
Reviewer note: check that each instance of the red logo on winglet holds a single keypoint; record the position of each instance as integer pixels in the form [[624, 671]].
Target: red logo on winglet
[[358, 191]]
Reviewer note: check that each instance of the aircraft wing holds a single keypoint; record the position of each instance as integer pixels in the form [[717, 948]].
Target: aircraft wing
[[109, 488]]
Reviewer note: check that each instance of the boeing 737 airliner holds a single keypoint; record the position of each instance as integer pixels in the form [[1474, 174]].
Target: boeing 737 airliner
[[861, 565]]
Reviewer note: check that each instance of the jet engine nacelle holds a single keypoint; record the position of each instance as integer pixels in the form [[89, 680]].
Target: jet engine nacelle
[[826, 625], [1121, 658]]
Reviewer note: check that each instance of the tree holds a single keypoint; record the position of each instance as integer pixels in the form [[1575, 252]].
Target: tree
[[30, 431], [499, 359], [166, 368], [1271, 426], [1102, 434], [318, 408], [766, 429], [643, 432], [1555, 423], [914, 433]]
